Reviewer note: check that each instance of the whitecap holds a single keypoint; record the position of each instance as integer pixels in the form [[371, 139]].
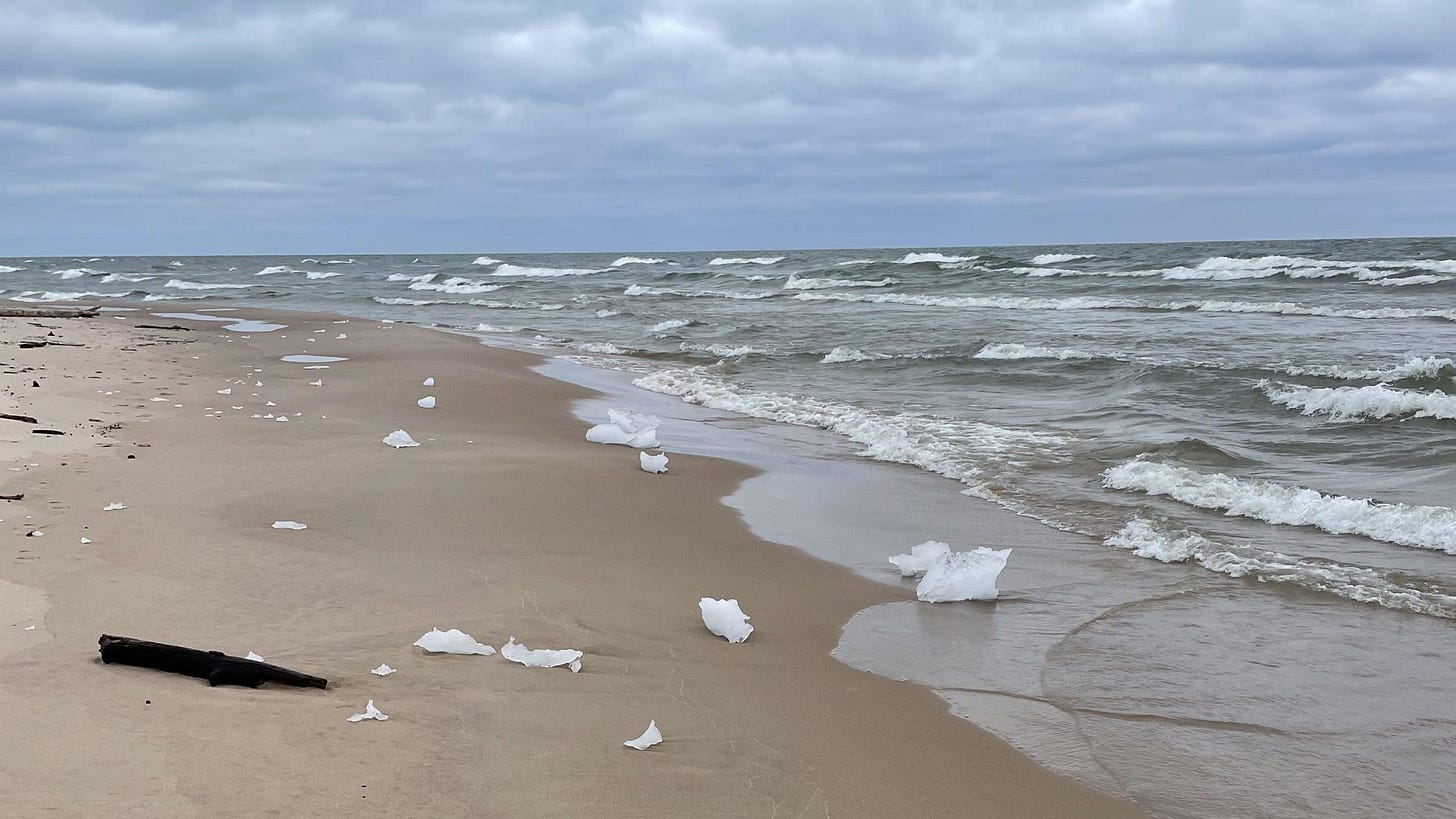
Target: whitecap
[[1020, 351], [483, 260], [180, 284], [1376, 401], [277, 268], [796, 282], [762, 260], [626, 260], [937, 258], [1060, 258], [540, 272], [841, 355]]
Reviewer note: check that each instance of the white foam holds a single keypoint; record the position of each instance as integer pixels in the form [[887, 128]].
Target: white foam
[[626, 260], [321, 274], [457, 285], [77, 272], [795, 282], [277, 268], [485, 260], [312, 359], [410, 277], [1404, 281], [640, 290], [180, 284], [841, 355], [1413, 367], [370, 712], [289, 524], [5, 268], [1376, 401], [399, 439], [395, 301], [43, 296], [1423, 527], [1356, 583], [1019, 351], [383, 670], [670, 324], [428, 402], [603, 347], [761, 260], [118, 277], [937, 258], [722, 350], [604, 313], [1059, 258], [626, 429], [540, 272]]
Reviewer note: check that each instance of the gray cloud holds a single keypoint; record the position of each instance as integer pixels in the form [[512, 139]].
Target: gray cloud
[[452, 125]]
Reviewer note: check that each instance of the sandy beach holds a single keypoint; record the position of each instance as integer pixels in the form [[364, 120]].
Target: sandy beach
[[503, 522]]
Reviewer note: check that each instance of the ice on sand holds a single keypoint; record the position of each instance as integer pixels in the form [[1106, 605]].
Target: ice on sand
[[921, 558], [228, 391], [626, 428], [963, 576], [113, 506], [541, 657], [383, 670], [316, 383], [453, 641], [289, 524], [649, 738], [370, 712], [253, 656], [725, 619], [428, 402], [428, 382], [399, 439], [656, 464]]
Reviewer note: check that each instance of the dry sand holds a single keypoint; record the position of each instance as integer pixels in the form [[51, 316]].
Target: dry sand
[[503, 522]]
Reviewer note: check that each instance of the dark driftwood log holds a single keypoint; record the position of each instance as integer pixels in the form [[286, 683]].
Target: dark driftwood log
[[214, 666], [25, 419], [48, 312], [162, 327], [21, 496], [46, 432]]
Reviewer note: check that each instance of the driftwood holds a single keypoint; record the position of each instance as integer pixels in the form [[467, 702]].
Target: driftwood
[[31, 345], [47, 312], [162, 327], [214, 666], [46, 432], [21, 496], [24, 419]]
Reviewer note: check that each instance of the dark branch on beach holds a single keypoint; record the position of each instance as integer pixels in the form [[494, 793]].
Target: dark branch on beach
[[21, 496], [24, 419], [214, 666], [47, 312], [162, 327]]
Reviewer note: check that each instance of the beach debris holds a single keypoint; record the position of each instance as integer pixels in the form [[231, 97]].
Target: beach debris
[[649, 738], [656, 464], [626, 428], [921, 558], [725, 619], [340, 336], [85, 540], [428, 382], [316, 383], [400, 439], [959, 576], [541, 657], [281, 418], [35, 533], [228, 391], [113, 507], [370, 712], [52, 431], [24, 419], [214, 666], [428, 402], [453, 641], [21, 496], [289, 524], [252, 655], [383, 670]]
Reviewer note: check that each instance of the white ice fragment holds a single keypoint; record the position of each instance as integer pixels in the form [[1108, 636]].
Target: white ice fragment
[[963, 576], [656, 464], [370, 712], [725, 619], [85, 540], [113, 506], [30, 628], [236, 408], [921, 558], [228, 391], [289, 524], [340, 335], [453, 641], [428, 382], [253, 656], [257, 383], [281, 418], [271, 404], [649, 738], [399, 438], [628, 428], [541, 657], [36, 533], [383, 670], [316, 383], [428, 402]]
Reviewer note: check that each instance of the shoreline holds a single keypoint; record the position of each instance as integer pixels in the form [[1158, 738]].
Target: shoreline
[[773, 725]]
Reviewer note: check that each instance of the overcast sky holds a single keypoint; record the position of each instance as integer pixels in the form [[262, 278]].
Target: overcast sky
[[536, 125]]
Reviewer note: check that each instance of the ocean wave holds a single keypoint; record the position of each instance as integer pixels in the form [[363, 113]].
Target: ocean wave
[[626, 260], [795, 282], [1422, 527], [937, 258], [277, 268], [41, 296], [1356, 583], [1018, 351], [397, 301], [1413, 367], [485, 260], [77, 272], [337, 261], [180, 284], [670, 325], [321, 274], [456, 285], [1403, 281], [410, 277], [843, 355], [181, 296], [119, 277], [602, 347], [604, 313], [1059, 258], [540, 272], [1373, 402], [641, 290], [5, 268], [722, 350], [958, 449], [721, 260], [516, 305], [856, 262]]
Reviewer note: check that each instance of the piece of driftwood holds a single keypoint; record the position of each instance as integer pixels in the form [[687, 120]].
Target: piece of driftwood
[[214, 666], [31, 345], [47, 312], [162, 327], [21, 496], [46, 432], [24, 419]]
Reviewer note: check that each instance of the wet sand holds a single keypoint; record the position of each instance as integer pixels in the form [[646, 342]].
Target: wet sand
[[504, 522]]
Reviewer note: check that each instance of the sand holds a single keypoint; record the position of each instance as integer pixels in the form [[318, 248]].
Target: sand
[[503, 522]]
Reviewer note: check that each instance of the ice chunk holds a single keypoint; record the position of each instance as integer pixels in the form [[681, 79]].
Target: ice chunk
[[399, 439], [113, 506], [655, 464], [725, 619], [428, 382], [289, 524], [920, 559], [318, 382], [85, 540], [253, 656], [627, 428], [541, 657], [963, 576], [370, 712], [649, 738], [281, 418], [453, 641], [228, 391], [383, 670], [428, 402]]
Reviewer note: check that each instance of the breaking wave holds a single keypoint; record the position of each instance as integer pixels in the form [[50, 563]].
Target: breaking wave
[[796, 282], [485, 260], [1017, 351], [5, 268], [721, 260], [1422, 527], [626, 260], [41, 296], [1347, 403], [936, 258], [1413, 367], [842, 355], [180, 284], [540, 272], [77, 272], [277, 268], [1059, 258], [455, 285], [640, 290]]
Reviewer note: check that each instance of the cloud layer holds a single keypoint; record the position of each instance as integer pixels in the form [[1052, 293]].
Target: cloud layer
[[130, 126]]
